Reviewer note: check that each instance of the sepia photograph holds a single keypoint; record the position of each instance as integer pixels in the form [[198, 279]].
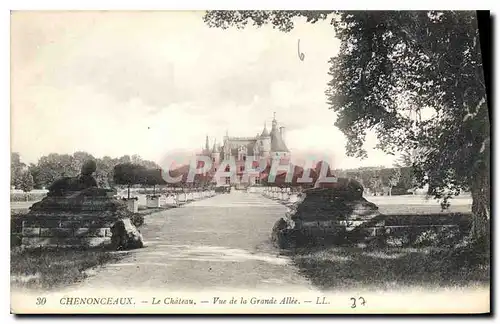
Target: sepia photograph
[[250, 162]]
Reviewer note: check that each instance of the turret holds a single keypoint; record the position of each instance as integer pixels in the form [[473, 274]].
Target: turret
[[265, 142], [278, 146], [215, 154], [206, 150]]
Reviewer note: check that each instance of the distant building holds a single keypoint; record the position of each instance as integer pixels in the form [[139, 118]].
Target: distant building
[[266, 145]]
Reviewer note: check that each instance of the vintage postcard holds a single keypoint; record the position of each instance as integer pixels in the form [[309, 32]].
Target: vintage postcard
[[237, 162]]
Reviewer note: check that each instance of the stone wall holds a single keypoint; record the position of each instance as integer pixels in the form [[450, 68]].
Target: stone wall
[[66, 230]]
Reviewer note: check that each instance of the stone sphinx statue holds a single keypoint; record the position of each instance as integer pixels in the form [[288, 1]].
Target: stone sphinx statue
[[83, 181], [69, 193]]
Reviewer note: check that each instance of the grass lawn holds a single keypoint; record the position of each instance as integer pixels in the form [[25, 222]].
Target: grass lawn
[[345, 268], [54, 268], [393, 205]]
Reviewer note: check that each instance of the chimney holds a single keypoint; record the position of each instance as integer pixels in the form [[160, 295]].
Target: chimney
[[282, 133]]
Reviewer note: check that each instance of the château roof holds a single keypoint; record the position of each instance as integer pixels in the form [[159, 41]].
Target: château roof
[[277, 143]]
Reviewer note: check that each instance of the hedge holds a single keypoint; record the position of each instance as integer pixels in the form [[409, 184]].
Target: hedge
[[26, 196]]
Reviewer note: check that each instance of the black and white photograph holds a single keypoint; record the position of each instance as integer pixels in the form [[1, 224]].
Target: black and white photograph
[[250, 162]]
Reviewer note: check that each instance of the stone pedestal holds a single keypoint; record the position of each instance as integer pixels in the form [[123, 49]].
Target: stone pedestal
[[153, 201], [182, 198], [75, 219], [329, 215], [171, 201], [133, 205], [67, 230]]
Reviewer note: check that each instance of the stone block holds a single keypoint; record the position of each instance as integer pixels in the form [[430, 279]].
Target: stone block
[[30, 231], [34, 221], [56, 232], [133, 205], [70, 224], [153, 202], [90, 232], [170, 201], [38, 241], [182, 197]]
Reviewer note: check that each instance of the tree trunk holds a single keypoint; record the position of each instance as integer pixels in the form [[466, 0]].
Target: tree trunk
[[481, 207], [128, 189], [390, 191]]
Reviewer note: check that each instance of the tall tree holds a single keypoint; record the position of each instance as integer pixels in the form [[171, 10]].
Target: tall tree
[[104, 172], [394, 178], [415, 78], [34, 170], [54, 166], [375, 184], [16, 170], [27, 183]]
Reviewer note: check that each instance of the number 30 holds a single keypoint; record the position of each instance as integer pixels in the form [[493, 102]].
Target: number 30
[[41, 300]]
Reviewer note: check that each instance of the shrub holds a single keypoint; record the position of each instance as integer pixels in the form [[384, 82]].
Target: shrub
[[137, 220], [26, 196]]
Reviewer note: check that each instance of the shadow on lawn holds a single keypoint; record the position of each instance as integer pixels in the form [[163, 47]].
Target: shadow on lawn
[[53, 268], [391, 268]]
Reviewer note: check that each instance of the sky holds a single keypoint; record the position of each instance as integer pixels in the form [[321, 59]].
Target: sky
[[152, 83]]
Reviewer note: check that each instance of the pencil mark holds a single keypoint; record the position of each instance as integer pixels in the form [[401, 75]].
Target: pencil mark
[[301, 55]]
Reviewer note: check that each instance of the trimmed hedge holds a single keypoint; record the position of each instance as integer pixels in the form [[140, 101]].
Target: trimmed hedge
[[26, 196]]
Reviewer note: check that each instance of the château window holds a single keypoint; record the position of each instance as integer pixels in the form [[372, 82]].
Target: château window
[[257, 180], [228, 180], [244, 157]]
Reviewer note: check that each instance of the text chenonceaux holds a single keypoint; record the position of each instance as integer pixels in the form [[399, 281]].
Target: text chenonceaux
[[122, 301], [97, 301]]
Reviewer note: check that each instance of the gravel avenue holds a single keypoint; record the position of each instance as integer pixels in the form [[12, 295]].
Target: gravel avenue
[[210, 245]]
